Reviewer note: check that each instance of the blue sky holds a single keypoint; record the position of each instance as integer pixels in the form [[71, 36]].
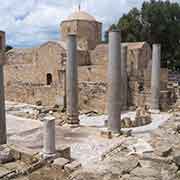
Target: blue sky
[[29, 23]]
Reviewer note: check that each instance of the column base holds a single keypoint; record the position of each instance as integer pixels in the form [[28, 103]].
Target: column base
[[73, 120]]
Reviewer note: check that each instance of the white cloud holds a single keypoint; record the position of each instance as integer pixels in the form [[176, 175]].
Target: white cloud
[[31, 22]]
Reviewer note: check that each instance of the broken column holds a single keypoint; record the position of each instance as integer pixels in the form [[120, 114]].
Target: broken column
[[155, 78], [72, 82], [3, 138], [49, 146], [124, 90], [114, 82]]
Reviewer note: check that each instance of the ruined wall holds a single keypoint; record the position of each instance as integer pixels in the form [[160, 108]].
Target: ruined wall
[[88, 32], [27, 73], [28, 93]]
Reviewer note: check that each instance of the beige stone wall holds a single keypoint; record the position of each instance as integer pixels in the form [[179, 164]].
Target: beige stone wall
[[88, 32], [26, 74], [48, 95], [33, 67]]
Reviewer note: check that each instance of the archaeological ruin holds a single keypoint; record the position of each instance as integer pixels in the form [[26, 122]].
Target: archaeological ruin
[[31, 78], [81, 109]]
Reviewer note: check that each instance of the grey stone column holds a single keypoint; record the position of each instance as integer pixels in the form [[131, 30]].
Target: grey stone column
[[114, 82], [124, 87], [72, 81], [3, 137], [155, 77], [49, 146]]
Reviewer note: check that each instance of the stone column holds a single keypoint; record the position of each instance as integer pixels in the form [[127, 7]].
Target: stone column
[[49, 147], [72, 81], [114, 82], [3, 138], [155, 77], [124, 87]]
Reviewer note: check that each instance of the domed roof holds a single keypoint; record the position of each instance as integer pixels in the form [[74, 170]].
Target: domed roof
[[81, 15]]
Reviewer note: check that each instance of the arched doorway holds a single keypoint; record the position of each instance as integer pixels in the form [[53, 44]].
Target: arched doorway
[[49, 79]]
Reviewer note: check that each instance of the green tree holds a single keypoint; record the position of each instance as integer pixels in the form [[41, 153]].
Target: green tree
[[156, 22]]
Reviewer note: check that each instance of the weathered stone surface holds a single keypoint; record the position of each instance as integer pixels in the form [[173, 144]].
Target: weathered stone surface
[[3, 172], [60, 163], [5, 154], [73, 166], [106, 133], [164, 150], [146, 172], [24, 154], [176, 159], [63, 151]]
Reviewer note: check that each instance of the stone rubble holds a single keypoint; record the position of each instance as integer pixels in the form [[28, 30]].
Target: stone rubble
[[159, 161]]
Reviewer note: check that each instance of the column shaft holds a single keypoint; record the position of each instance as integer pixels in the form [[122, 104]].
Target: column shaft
[[114, 82], [72, 81], [124, 87], [155, 77], [49, 147], [3, 138]]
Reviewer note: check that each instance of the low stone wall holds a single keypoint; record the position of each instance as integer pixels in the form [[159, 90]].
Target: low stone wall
[[48, 95]]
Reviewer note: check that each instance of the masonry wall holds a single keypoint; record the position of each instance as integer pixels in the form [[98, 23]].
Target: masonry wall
[[25, 93]]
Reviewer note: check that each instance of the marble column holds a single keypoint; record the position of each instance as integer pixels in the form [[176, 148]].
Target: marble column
[[155, 77], [124, 87], [3, 137], [72, 81], [49, 145], [114, 82]]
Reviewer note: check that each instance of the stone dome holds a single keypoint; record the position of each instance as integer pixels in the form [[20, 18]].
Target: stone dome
[[81, 15]]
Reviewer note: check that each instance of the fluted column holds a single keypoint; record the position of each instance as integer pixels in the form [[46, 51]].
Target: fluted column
[[155, 77], [72, 81], [3, 136], [114, 82]]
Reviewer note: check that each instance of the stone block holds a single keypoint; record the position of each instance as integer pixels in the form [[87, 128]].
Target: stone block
[[63, 151], [73, 166], [164, 150], [24, 154], [106, 133], [176, 159], [145, 172], [5, 154], [59, 163]]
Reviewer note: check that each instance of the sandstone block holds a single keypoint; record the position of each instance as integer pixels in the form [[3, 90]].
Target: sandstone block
[[59, 163], [63, 151], [24, 154], [106, 133]]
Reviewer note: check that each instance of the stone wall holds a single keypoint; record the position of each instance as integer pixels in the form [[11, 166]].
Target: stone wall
[[92, 96], [31, 94], [27, 72]]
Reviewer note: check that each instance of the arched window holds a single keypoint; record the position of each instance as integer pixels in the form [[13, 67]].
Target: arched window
[[49, 79]]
